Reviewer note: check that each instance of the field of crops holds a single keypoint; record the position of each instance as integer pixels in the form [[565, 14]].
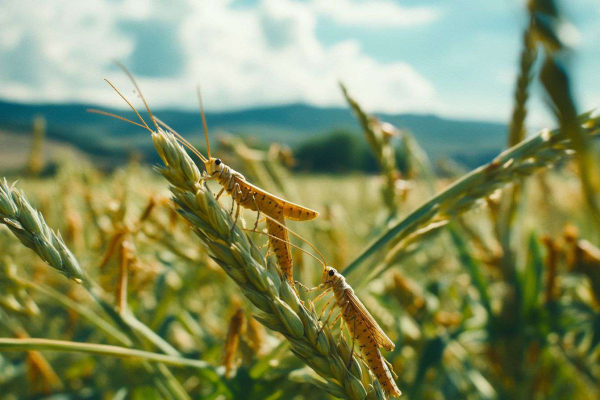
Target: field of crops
[[141, 282]]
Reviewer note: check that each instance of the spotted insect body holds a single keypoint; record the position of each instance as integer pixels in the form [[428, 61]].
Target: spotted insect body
[[254, 198], [249, 196], [243, 193], [364, 331]]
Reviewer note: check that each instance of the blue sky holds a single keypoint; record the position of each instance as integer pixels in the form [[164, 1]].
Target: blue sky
[[455, 58]]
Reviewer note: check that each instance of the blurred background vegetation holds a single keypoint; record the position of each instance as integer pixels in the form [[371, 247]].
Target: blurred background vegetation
[[487, 281]]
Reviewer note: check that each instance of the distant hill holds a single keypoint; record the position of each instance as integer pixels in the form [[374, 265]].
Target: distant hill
[[15, 151], [469, 142]]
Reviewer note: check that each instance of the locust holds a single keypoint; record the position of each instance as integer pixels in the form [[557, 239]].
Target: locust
[[362, 327], [243, 193]]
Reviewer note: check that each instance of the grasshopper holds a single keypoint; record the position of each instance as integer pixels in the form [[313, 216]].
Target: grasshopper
[[363, 328], [243, 193]]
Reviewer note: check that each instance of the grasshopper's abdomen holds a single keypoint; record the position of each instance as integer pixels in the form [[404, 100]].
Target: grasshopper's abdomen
[[298, 213], [279, 244], [369, 348], [379, 368]]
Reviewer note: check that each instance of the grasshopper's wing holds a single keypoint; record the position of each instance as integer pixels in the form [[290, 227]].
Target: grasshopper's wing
[[372, 325], [291, 211], [296, 212]]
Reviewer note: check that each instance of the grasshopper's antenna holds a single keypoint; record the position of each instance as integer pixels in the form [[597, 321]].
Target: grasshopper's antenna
[[291, 244], [203, 121], [139, 91], [95, 111], [129, 104], [181, 140], [155, 120]]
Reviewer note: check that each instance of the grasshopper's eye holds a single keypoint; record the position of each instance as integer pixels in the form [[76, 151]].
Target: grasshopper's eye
[[218, 161], [331, 272]]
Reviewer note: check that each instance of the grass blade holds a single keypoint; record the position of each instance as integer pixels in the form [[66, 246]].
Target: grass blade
[[522, 160]]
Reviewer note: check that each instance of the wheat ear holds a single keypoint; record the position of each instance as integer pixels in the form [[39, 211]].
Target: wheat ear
[[259, 280], [31, 229], [379, 136]]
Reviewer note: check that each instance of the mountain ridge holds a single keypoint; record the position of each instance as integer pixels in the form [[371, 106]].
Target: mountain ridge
[[471, 142]]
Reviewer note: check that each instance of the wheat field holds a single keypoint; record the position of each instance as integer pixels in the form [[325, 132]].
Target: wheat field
[[135, 282]]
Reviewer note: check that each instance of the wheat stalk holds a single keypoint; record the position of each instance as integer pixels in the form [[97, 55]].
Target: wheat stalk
[[29, 226], [528, 157], [528, 56], [547, 23], [379, 138], [35, 344], [505, 227], [259, 280]]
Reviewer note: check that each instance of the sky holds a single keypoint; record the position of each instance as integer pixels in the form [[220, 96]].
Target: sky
[[454, 58]]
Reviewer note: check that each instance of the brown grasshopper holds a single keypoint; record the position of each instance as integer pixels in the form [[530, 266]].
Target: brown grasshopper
[[363, 328], [243, 193]]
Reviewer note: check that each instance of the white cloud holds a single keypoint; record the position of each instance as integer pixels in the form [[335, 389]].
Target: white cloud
[[375, 14], [265, 54], [55, 49]]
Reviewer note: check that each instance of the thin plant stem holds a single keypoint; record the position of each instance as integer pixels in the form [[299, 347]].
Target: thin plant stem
[[34, 344], [85, 312]]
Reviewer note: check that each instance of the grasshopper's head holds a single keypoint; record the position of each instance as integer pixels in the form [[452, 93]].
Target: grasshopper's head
[[213, 166], [330, 276]]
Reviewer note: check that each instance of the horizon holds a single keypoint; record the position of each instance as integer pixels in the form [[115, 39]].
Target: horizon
[[257, 107]]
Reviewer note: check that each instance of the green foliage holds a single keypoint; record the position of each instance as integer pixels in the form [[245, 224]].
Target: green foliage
[[340, 151], [110, 140], [483, 298]]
